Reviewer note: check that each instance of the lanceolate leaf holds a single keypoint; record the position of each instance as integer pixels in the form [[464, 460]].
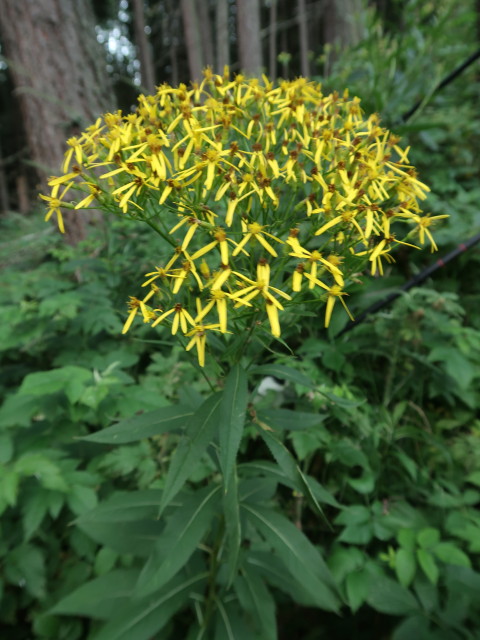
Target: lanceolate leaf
[[99, 598], [232, 417], [273, 471], [298, 553], [290, 468], [142, 620], [152, 423], [126, 522], [183, 532], [233, 531], [257, 601], [200, 430], [284, 373]]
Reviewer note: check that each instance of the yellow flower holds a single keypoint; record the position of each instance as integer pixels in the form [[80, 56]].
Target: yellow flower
[[199, 339], [181, 318], [334, 293], [256, 231]]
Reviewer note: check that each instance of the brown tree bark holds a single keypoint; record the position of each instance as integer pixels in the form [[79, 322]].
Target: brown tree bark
[[144, 50], [272, 41], [60, 78], [222, 35], [192, 39], [249, 38], [206, 32], [303, 39], [341, 22]]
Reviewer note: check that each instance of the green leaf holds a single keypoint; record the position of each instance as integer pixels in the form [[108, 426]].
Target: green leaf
[[286, 420], [255, 598], [345, 560], [104, 561], [126, 522], [70, 379], [146, 425], [181, 536], [357, 587], [428, 564], [292, 471], [428, 537], [387, 596], [405, 566], [101, 598], [406, 539], [34, 509], [300, 556], [25, 567], [143, 619], [6, 448], [200, 430], [230, 624], [450, 554], [284, 373], [233, 529], [273, 471], [232, 417]]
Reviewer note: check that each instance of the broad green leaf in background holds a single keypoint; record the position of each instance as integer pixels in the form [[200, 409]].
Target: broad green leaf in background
[[405, 566], [71, 380], [450, 554], [200, 431], [146, 425], [292, 471], [298, 553], [183, 532], [233, 408], [387, 596], [100, 598], [143, 619], [230, 623], [357, 585], [428, 564]]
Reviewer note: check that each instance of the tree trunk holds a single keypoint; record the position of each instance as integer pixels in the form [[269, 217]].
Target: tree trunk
[[192, 39], [303, 36], [222, 35], [272, 42], [342, 23], [206, 32], [249, 40], [145, 57], [60, 78]]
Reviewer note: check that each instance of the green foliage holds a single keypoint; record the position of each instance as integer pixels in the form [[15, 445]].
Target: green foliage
[[134, 504]]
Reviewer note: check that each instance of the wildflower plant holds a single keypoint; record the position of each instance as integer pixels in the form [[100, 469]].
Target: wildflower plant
[[269, 197], [268, 201]]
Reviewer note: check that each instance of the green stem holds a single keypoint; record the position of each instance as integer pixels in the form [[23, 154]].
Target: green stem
[[159, 231]]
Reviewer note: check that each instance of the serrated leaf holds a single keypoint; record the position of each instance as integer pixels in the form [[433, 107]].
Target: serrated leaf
[[68, 379], [387, 596], [34, 509], [299, 555], [428, 537], [100, 598], [143, 619], [181, 536], [233, 408], [405, 566], [428, 565], [450, 554], [200, 430], [292, 471], [357, 586], [146, 425], [255, 598]]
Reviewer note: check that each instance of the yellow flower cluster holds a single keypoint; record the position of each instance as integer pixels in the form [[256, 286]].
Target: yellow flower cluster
[[267, 195]]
